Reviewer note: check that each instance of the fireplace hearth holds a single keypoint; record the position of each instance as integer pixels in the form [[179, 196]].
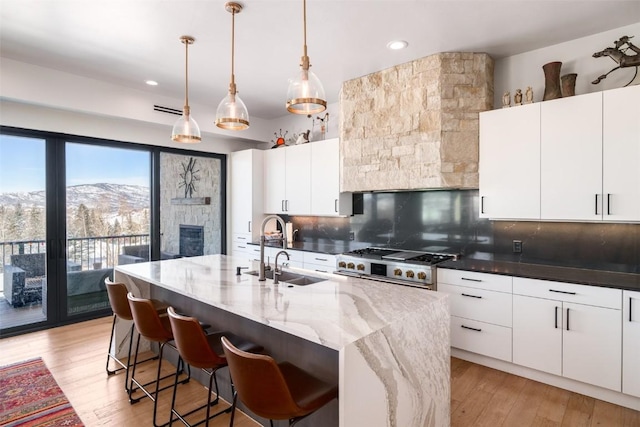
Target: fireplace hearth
[[191, 240]]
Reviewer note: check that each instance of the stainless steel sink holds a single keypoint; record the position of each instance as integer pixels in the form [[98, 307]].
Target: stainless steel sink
[[290, 278]]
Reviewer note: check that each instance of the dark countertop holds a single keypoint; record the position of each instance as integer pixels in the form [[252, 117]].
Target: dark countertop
[[324, 246], [583, 276]]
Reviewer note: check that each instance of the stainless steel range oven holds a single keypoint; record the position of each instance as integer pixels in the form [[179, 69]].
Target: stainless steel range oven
[[403, 267]]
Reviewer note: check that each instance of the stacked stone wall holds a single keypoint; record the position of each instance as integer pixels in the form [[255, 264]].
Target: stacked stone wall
[[415, 125]]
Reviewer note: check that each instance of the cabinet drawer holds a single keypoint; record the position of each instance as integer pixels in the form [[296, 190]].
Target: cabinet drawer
[[473, 279], [482, 338], [242, 237], [479, 304], [321, 261], [571, 292]]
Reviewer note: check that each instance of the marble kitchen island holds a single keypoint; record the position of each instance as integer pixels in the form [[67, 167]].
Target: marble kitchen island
[[387, 346]]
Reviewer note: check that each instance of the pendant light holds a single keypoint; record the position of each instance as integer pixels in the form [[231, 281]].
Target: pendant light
[[305, 94], [232, 114], [186, 129]]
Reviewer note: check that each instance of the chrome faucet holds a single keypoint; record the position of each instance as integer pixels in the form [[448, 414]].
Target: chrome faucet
[[276, 272], [261, 276]]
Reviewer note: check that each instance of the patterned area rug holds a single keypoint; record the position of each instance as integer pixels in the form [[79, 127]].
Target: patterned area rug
[[30, 396]]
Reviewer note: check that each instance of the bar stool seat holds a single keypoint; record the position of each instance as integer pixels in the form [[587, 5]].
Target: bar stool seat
[[277, 391], [117, 293], [154, 328], [203, 351]]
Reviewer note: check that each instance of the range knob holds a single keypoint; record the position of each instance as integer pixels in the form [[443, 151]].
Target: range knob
[[360, 267], [422, 275], [410, 274], [351, 265], [342, 264], [397, 272]]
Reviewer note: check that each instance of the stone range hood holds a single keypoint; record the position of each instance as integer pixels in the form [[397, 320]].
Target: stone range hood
[[415, 125]]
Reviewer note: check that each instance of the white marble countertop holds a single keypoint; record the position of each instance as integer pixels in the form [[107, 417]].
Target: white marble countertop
[[334, 313]]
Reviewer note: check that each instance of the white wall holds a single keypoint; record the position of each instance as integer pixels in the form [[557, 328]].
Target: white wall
[[30, 84], [525, 69]]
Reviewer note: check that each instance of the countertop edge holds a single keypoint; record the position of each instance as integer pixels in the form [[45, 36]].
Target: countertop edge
[[581, 276]]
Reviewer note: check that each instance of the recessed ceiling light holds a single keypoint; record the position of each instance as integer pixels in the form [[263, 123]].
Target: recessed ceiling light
[[397, 44], [152, 83]]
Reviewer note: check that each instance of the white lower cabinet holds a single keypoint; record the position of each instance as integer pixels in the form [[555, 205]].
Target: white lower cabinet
[[569, 330], [480, 311], [324, 263], [631, 343]]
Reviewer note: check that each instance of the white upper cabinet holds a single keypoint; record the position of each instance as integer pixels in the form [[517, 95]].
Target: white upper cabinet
[[298, 179], [510, 163], [275, 178], [305, 180], [571, 158], [246, 197], [326, 199], [621, 154]]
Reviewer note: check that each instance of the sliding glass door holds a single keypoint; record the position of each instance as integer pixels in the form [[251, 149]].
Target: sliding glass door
[[107, 209], [23, 268], [73, 208]]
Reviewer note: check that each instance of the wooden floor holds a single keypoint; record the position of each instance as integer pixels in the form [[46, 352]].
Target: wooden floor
[[480, 396]]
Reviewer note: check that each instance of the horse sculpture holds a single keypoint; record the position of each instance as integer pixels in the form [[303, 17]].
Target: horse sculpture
[[619, 55]]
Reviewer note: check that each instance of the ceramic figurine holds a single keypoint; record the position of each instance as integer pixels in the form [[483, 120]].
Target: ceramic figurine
[[528, 95], [517, 98], [506, 100]]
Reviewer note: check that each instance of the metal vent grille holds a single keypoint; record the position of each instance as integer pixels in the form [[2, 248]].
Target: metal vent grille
[[167, 110]]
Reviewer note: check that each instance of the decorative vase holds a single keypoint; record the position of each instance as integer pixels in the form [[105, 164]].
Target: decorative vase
[[568, 82], [552, 80]]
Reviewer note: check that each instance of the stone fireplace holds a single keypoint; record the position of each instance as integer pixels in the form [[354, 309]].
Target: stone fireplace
[[415, 125], [191, 240]]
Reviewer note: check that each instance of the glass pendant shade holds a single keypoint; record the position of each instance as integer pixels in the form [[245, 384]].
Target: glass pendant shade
[[186, 129], [232, 114], [306, 94]]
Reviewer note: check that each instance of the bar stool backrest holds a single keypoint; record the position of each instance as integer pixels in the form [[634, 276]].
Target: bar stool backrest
[[147, 320], [260, 383], [192, 342], [117, 293]]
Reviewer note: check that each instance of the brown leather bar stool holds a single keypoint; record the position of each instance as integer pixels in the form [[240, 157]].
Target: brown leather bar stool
[[277, 391], [203, 351], [154, 328], [117, 293]]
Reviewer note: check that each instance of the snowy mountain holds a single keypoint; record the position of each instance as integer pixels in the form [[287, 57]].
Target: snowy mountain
[[109, 197]]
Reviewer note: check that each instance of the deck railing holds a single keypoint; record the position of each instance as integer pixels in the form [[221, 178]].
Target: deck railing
[[88, 252]]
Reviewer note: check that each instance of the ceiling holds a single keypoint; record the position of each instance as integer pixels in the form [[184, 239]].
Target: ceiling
[[129, 41]]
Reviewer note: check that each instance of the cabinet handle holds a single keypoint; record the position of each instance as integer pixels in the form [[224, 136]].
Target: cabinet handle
[[282, 206], [242, 247], [471, 296], [321, 259], [249, 226], [321, 271], [556, 310], [471, 280], [562, 292], [597, 204], [608, 203], [242, 238], [567, 319], [630, 299], [335, 205], [482, 204], [470, 328], [286, 205]]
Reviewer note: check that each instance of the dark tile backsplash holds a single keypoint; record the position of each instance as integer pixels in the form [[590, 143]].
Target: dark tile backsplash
[[447, 221]]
